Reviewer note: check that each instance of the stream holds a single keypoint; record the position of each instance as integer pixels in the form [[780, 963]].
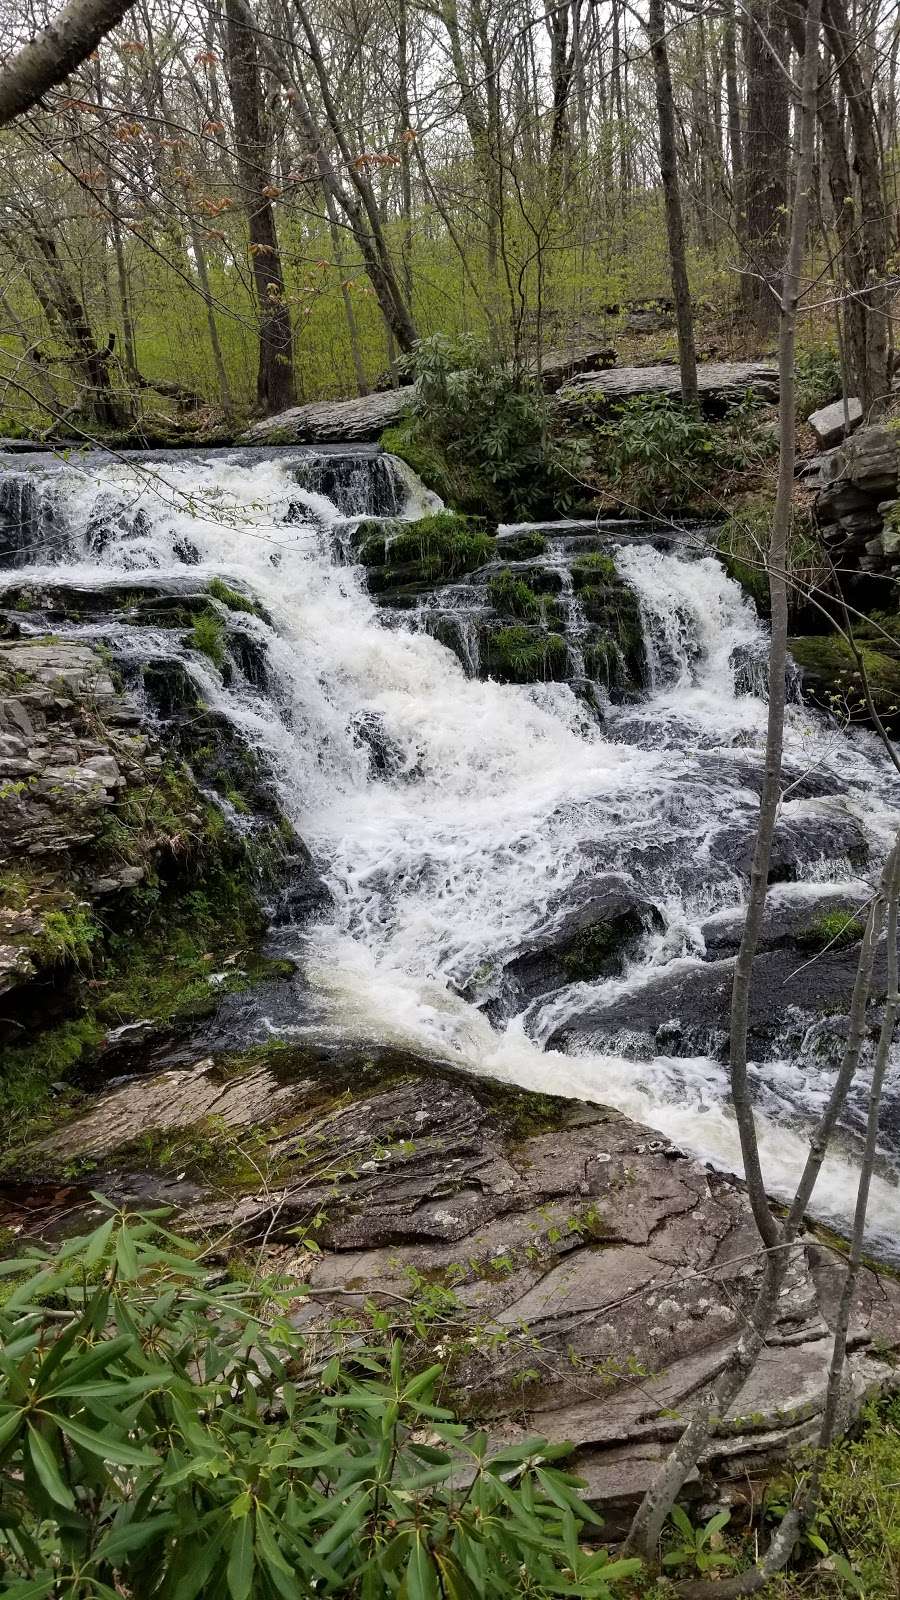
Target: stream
[[458, 822]]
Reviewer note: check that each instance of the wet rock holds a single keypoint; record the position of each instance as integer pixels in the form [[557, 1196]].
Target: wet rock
[[684, 1011], [580, 942]]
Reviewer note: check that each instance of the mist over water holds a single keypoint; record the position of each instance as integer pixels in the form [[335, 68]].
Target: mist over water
[[489, 803]]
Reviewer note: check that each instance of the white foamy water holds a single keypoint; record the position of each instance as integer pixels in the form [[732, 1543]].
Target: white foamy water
[[492, 801]]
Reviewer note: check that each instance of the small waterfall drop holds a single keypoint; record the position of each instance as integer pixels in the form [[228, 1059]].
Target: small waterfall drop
[[493, 809]]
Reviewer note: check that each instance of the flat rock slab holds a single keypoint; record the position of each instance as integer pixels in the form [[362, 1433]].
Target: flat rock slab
[[599, 1275], [361, 421], [717, 382], [331, 421], [833, 423]]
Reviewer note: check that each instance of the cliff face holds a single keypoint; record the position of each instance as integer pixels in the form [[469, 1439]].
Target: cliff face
[[130, 900]]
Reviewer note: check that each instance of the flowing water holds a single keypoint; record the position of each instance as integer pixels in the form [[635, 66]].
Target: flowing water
[[489, 804]]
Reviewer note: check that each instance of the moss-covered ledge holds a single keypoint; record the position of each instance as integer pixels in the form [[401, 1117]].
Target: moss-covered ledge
[[129, 901]]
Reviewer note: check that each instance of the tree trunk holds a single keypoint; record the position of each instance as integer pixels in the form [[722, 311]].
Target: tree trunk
[[735, 137], [873, 378], [275, 389], [660, 1497], [681, 290], [765, 160]]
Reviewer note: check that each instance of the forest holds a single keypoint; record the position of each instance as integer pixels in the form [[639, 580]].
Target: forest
[[449, 799]]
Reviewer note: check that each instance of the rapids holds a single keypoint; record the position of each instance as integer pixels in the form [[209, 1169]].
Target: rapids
[[489, 802]]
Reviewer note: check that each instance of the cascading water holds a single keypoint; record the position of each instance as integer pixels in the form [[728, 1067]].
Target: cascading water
[[491, 808]]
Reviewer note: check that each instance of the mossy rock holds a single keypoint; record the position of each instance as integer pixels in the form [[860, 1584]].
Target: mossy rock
[[831, 677], [513, 596], [427, 551], [832, 930], [593, 569], [522, 654], [523, 546]]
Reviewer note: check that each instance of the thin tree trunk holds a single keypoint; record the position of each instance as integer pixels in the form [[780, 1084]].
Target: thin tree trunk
[[735, 139], [765, 160], [275, 389], [651, 1514], [681, 289], [218, 360]]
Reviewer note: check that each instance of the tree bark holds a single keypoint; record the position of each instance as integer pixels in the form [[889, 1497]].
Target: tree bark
[[765, 160], [651, 1514], [55, 52], [681, 289], [275, 388]]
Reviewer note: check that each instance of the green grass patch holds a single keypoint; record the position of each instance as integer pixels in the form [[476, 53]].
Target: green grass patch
[[208, 637], [833, 929]]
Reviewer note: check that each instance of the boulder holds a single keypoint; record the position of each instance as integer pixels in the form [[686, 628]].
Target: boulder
[[720, 383], [833, 423], [580, 941]]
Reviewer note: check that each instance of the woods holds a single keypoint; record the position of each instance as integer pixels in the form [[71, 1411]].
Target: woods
[[305, 192]]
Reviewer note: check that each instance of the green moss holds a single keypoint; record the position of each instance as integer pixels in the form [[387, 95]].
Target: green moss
[[208, 636], [521, 654], [832, 679], [523, 546], [428, 550], [66, 937], [425, 459], [834, 929], [523, 1114], [591, 951], [207, 1150], [232, 598], [589, 568], [195, 913], [513, 596]]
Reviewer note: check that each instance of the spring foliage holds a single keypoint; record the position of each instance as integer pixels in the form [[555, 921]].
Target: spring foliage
[[167, 1433]]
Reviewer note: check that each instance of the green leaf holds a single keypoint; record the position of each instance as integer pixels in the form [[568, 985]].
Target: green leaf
[[682, 1522], [240, 1559], [130, 1536], [421, 1576], [47, 1469], [117, 1450], [349, 1519]]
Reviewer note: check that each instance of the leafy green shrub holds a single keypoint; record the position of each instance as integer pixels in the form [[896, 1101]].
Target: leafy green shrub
[[167, 1433], [481, 432], [818, 378], [649, 452]]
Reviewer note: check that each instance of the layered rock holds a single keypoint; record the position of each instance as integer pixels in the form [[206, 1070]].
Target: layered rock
[[858, 489], [592, 1277], [567, 376], [134, 848]]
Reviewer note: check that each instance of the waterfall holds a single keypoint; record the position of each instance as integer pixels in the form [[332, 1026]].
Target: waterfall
[[492, 810]]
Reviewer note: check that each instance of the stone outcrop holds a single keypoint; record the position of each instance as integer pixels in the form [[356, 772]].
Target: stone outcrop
[[719, 383], [594, 1277], [69, 744], [138, 835], [858, 485], [363, 420], [831, 424]]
